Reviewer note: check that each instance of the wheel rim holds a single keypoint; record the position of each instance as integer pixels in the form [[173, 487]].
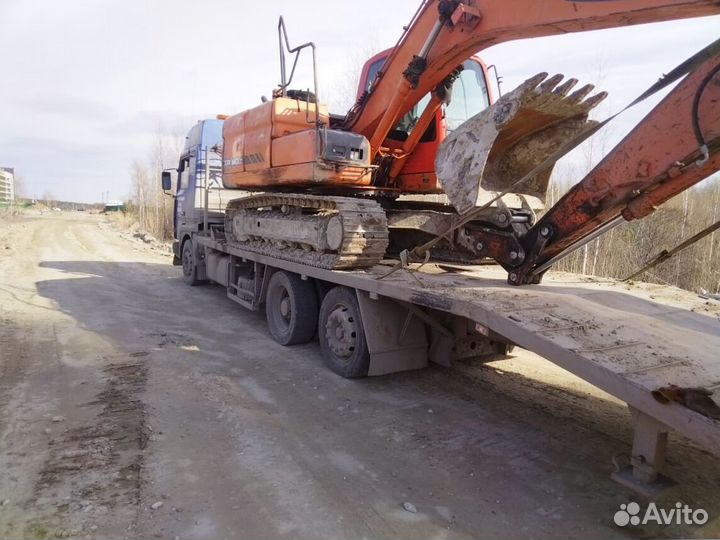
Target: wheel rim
[[187, 262], [280, 307], [285, 307], [341, 330]]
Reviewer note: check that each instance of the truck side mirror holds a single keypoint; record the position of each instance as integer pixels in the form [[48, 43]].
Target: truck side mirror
[[166, 181]]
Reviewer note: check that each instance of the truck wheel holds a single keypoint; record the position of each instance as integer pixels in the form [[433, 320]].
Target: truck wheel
[[342, 337], [291, 309], [190, 271]]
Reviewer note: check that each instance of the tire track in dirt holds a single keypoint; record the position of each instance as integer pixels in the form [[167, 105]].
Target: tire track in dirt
[[73, 423], [97, 467], [11, 365]]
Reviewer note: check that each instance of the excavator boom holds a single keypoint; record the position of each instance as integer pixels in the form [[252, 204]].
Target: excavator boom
[[444, 33]]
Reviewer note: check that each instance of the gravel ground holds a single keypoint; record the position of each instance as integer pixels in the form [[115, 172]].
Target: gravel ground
[[134, 406]]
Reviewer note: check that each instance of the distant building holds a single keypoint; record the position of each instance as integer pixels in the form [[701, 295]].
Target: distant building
[[114, 206], [7, 184]]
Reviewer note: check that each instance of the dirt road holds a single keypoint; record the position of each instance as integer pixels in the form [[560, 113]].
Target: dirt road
[[132, 405]]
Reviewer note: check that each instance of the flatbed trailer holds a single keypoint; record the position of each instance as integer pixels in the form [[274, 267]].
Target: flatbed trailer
[[613, 337]]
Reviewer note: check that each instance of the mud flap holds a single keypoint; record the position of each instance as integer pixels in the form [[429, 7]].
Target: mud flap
[[176, 253], [498, 146], [395, 337]]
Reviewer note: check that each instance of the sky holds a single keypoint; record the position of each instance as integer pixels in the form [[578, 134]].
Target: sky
[[89, 85]]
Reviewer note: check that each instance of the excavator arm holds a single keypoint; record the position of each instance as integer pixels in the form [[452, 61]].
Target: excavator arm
[[674, 147], [444, 33]]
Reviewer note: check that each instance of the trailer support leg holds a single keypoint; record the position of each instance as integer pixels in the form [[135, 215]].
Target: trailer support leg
[[643, 473]]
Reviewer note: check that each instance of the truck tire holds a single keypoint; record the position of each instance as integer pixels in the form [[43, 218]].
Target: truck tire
[[341, 333], [189, 265], [291, 308]]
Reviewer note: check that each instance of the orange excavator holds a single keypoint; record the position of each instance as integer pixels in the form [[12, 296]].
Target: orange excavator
[[428, 164]]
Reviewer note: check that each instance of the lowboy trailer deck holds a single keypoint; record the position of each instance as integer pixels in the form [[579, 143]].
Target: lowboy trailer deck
[[373, 321]]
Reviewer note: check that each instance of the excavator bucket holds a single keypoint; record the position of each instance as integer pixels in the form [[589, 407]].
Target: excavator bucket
[[498, 146]]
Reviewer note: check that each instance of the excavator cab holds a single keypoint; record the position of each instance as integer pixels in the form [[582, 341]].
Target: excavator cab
[[471, 94]]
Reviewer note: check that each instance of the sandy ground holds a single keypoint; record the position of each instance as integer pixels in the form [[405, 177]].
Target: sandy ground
[[132, 406]]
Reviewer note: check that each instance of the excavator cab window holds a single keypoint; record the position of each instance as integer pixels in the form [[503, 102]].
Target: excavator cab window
[[373, 71], [407, 123], [469, 95]]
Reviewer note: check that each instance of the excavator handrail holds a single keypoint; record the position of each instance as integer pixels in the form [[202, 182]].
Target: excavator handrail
[[284, 81]]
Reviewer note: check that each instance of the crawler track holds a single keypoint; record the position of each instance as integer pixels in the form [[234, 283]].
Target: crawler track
[[364, 229]]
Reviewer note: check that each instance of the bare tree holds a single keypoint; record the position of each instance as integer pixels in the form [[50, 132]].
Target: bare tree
[[629, 246], [48, 199], [149, 206], [343, 91]]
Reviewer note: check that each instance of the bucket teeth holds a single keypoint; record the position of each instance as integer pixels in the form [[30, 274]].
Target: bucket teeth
[[498, 146], [593, 101], [550, 84], [565, 87], [579, 95]]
